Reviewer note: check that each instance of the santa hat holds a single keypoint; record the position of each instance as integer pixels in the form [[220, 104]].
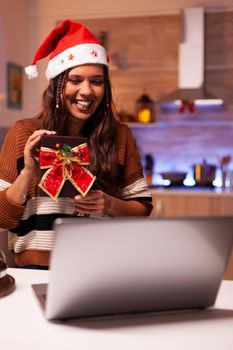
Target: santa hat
[[69, 44]]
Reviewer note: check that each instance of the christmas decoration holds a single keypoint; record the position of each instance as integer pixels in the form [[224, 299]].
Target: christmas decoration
[[65, 164], [69, 44]]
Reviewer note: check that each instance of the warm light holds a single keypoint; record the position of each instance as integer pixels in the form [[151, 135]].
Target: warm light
[[145, 109], [144, 115]]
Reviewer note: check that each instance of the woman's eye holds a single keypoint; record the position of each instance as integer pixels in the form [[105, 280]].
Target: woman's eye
[[75, 81], [97, 81]]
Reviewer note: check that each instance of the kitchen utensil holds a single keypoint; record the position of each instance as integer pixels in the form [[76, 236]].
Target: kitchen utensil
[[149, 165], [176, 177], [224, 169], [204, 173]]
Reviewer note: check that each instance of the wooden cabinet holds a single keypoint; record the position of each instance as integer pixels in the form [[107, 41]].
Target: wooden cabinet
[[169, 203], [178, 205]]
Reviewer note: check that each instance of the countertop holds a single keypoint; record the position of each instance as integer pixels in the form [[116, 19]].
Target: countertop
[[23, 325], [216, 192]]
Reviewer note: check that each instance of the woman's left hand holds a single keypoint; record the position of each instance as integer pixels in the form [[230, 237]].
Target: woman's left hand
[[96, 202]]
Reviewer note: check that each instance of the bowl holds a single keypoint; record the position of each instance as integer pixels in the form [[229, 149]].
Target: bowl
[[176, 177]]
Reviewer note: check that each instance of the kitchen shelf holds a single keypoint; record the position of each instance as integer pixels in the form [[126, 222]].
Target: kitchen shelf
[[182, 122], [142, 125]]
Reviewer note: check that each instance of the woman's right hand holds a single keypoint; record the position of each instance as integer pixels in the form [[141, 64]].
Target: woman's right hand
[[17, 192], [31, 151]]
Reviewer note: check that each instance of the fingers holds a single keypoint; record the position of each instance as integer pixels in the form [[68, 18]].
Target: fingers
[[93, 203], [31, 149], [33, 141], [36, 136], [91, 196]]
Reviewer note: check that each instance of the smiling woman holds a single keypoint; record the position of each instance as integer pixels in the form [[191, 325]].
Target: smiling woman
[[77, 102], [83, 93]]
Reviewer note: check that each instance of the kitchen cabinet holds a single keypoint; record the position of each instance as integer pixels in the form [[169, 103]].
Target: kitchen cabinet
[[191, 203], [228, 275], [185, 203]]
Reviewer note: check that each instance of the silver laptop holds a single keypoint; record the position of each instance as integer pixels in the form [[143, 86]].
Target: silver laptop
[[135, 265]]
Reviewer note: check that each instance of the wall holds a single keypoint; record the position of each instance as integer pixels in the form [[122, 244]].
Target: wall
[[177, 145], [14, 48], [143, 55], [150, 62]]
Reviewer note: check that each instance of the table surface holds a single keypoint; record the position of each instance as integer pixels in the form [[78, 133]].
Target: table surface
[[22, 324]]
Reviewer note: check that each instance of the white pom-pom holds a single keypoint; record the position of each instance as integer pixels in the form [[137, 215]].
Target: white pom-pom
[[31, 72]]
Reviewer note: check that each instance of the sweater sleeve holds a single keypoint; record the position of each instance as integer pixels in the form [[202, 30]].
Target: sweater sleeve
[[135, 186], [128, 156], [10, 213]]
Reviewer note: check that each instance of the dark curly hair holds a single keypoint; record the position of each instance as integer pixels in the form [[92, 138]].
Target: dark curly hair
[[100, 129]]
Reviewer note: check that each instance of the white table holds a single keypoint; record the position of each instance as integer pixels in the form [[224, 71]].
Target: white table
[[23, 326]]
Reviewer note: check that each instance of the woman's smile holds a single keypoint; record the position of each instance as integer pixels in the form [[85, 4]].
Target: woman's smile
[[83, 105], [84, 90]]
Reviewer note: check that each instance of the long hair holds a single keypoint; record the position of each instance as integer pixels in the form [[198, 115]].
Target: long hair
[[100, 129]]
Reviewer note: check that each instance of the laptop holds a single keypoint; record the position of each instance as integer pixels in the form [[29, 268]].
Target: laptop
[[134, 265]]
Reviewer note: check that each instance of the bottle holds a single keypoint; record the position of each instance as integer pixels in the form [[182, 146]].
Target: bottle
[[149, 165]]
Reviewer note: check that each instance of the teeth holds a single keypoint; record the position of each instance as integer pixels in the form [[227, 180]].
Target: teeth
[[84, 103]]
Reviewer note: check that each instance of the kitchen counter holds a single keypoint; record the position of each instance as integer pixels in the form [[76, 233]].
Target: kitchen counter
[[214, 192], [186, 202]]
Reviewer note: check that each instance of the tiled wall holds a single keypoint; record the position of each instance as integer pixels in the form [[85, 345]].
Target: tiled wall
[[178, 144]]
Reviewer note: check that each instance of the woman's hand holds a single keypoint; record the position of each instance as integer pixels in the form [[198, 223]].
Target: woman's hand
[[31, 151], [17, 192], [96, 202]]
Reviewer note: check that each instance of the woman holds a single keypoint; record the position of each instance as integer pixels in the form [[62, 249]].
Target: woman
[[77, 102]]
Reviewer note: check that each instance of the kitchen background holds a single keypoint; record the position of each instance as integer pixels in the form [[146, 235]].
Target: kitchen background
[[143, 43]]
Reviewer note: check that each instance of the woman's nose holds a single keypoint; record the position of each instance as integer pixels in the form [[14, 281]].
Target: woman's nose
[[86, 88]]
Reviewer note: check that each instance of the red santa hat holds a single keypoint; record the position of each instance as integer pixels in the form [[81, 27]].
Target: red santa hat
[[69, 44]]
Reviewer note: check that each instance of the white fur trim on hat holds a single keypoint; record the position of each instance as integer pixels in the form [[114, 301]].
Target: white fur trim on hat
[[76, 56], [31, 72]]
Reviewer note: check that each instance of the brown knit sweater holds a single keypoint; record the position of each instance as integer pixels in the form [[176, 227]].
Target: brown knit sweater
[[30, 225]]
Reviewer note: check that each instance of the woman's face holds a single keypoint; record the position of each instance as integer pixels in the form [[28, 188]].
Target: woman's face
[[84, 90]]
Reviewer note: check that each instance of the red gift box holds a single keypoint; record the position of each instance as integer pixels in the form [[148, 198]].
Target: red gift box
[[63, 166]]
